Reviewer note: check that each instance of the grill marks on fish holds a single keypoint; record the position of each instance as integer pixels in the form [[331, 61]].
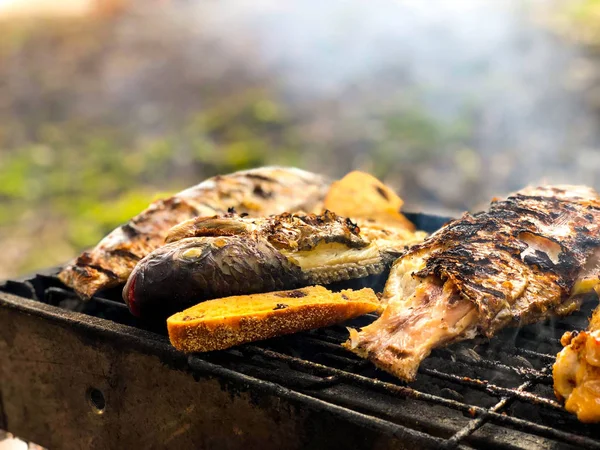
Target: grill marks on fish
[[527, 244], [232, 255], [514, 264], [258, 192]]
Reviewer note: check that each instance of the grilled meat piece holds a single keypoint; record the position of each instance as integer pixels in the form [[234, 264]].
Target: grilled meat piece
[[577, 371], [257, 192], [523, 260], [215, 257]]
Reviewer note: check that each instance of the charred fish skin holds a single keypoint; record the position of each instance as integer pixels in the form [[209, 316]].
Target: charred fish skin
[[520, 260], [527, 258], [231, 255], [257, 192]]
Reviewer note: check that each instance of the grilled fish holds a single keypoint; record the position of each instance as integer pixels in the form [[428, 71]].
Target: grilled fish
[[258, 192], [577, 371], [528, 257], [215, 257]]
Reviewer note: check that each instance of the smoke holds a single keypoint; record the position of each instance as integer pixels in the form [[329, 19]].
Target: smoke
[[522, 92], [452, 102]]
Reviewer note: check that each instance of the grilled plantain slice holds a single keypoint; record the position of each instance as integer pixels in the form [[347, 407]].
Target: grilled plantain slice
[[231, 255], [365, 199], [257, 192], [529, 257]]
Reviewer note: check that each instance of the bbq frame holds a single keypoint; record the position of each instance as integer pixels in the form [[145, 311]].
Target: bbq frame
[[76, 380], [52, 360]]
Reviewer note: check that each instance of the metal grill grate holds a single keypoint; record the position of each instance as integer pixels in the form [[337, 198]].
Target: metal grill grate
[[469, 394], [552, 422]]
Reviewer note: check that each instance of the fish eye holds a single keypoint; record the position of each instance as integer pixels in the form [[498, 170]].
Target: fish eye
[[192, 253]]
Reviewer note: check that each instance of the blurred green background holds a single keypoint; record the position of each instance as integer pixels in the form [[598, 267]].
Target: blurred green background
[[108, 105]]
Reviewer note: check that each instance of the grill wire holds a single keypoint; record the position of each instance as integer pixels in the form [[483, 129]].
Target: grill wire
[[506, 382], [330, 340]]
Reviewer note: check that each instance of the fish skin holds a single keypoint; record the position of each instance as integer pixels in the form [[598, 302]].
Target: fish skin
[[169, 279], [257, 192], [515, 264], [294, 232], [486, 251], [228, 255]]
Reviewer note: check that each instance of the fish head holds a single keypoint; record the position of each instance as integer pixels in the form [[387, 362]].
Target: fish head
[[191, 270], [166, 274]]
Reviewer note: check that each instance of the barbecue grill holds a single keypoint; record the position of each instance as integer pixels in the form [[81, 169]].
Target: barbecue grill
[[90, 375]]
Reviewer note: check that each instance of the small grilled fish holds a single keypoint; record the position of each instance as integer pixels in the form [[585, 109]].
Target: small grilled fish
[[577, 371], [258, 192], [530, 256], [214, 257]]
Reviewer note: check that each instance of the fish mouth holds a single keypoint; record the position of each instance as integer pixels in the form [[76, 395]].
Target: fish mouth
[[129, 295], [135, 291]]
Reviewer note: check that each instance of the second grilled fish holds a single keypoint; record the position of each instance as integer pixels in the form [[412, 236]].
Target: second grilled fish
[[214, 257], [258, 192], [530, 256]]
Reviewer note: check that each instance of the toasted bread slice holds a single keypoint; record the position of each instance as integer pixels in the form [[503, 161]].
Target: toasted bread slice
[[225, 322], [362, 196]]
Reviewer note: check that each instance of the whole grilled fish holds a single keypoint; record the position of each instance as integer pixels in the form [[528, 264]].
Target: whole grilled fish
[[214, 257], [527, 258], [577, 371], [258, 192]]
